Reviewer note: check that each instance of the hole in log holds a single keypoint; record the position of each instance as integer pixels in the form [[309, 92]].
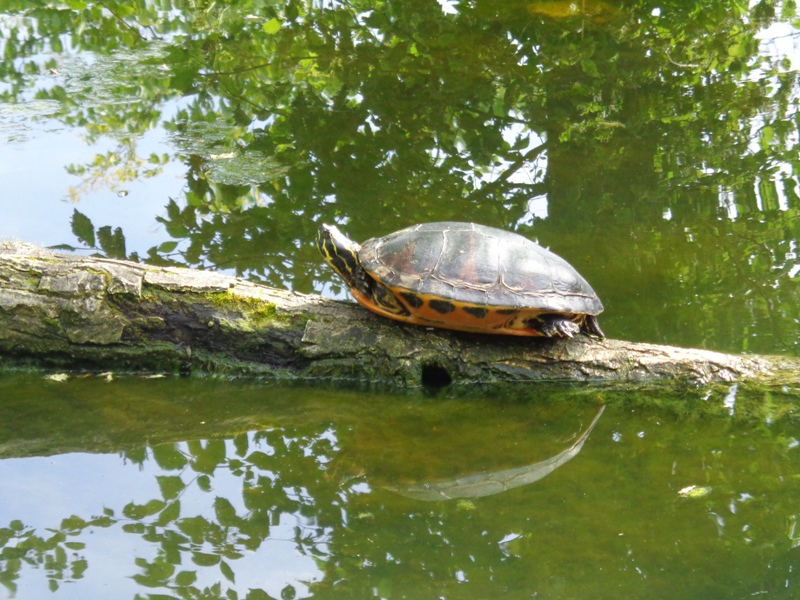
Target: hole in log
[[435, 376]]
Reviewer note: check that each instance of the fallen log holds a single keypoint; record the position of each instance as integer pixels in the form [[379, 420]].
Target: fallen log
[[62, 311]]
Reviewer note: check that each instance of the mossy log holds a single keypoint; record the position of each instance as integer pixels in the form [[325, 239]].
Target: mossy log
[[68, 312]]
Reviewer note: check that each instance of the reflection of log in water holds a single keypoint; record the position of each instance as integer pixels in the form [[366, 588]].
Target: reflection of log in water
[[74, 312], [486, 484]]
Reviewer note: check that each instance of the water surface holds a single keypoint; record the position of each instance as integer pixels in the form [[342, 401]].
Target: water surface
[[652, 146], [257, 491]]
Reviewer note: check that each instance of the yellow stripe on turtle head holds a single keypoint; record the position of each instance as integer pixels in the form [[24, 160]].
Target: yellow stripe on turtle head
[[340, 252]]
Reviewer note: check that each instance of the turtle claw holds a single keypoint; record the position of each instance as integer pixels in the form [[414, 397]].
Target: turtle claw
[[592, 327]]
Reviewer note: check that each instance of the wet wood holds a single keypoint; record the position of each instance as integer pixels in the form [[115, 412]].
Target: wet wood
[[61, 311]]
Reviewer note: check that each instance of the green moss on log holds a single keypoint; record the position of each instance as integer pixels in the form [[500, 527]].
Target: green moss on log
[[260, 313]]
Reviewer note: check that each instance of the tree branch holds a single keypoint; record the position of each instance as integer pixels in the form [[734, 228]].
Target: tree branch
[[81, 313]]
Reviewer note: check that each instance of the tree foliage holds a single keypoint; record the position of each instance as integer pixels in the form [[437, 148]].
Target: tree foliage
[[654, 132]]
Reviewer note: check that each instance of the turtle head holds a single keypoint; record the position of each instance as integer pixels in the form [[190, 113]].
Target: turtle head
[[340, 252]]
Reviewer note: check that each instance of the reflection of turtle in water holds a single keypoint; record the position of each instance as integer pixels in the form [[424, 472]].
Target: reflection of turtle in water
[[486, 484], [452, 448], [467, 277]]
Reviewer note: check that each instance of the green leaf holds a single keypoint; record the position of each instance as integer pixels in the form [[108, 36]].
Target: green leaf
[[170, 513], [227, 571], [204, 559], [170, 486], [195, 528], [186, 578], [226, 513], [156, 574], [82, 228], [272, 26], [499, 106], [140, 511], [73, 523], [241, 443], [767, 135], [289, 593], [590, 68], [261, 460], [735, 50], [75, 545], [208, 458], [167, 247], [79, 566], [102, 522], [112, 243], [168, 457]]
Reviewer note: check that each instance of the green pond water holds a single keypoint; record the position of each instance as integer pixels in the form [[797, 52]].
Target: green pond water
[[175, 488], [652, 145]]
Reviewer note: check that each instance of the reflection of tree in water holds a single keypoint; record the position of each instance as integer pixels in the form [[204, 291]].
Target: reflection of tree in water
[[669, 140], [311, 487], [193, 549], [295, 487]]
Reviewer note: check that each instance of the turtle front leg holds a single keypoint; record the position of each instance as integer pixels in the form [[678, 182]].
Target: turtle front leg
[[555, 326], [385, 298]]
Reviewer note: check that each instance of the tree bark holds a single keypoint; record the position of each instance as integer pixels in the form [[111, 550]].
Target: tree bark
[[84, 313]]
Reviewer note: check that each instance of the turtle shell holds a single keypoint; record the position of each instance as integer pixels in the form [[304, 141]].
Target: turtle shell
[[471, 265]]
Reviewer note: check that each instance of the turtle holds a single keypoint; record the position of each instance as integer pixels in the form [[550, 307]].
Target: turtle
[[466, 277]]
